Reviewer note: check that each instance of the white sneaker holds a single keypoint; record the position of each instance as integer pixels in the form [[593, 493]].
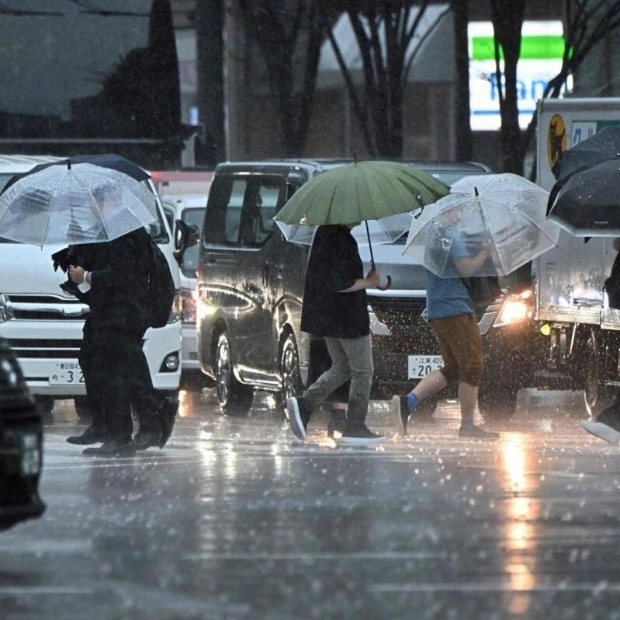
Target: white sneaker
[[602, 431], [294, 417]]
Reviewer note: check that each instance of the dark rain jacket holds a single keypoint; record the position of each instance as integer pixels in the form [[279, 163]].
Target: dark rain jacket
[[118, 297], [333, 266]]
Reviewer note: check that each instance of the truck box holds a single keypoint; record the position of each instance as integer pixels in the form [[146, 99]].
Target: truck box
[[570, 304]]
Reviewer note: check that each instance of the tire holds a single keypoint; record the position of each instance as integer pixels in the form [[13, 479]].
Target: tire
[[45, 405], [289, 370], [234, 398], [595, 395], [426, 408], [497, 403]]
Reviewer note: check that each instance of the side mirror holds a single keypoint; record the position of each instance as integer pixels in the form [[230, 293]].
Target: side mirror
[[185, 236]]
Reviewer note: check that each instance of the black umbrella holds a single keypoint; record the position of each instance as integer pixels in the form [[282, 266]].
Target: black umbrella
[[586, 203], [604, 144]]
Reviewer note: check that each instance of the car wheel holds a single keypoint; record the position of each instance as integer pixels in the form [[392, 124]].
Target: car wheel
[[596, 395], [45, 405], [234, 398], [289, 370], [426, 408], [496, 402]]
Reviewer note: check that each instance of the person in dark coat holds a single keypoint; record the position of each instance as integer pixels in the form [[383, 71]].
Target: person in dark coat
[[335, 307], [112, 278]]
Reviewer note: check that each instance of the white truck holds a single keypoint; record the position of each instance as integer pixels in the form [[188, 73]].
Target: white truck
[[571, 309], [43, 324]]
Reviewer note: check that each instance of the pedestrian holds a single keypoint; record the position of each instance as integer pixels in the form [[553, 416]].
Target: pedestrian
[[450, 312], [113, 280], [606, 425], [335, 308]]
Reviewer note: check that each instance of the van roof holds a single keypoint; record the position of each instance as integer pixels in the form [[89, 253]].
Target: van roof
[[327, 163], [23, 163]]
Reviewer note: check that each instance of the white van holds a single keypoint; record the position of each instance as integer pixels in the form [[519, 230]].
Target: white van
[[43, 324], [188, 208]]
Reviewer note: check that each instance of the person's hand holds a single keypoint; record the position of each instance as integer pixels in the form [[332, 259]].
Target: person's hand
[[485, 248], [374, 277], [76, 274]]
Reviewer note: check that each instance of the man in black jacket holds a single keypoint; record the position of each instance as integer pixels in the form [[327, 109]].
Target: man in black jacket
[[113, 280], [335, 307]]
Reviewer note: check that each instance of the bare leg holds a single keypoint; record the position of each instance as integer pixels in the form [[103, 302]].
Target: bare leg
[[468, 396], [431, 384]]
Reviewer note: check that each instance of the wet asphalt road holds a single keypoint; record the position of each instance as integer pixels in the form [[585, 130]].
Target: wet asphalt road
[[234, 518]]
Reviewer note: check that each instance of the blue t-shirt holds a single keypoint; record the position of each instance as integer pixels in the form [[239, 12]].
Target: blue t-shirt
[[448, 296]]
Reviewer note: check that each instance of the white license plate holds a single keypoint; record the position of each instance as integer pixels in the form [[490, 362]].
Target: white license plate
[[419, 366], [66, 373]]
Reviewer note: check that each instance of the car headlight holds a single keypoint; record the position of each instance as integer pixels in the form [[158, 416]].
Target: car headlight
[[189, 306], [516, 308], [5, 311]]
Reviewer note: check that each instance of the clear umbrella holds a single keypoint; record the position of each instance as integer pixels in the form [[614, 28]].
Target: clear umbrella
[[505, 210], [382, 231], [85, 199]]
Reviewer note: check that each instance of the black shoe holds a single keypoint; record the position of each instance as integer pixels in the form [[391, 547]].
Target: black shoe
[[166, 415], [147, 439], [90, 436], [475, 432], [337, 423], [399, 412], [298, 416], [113, 447], [360, 435]]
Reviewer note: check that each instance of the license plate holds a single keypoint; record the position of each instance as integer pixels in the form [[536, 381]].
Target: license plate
[[66, 373], [420, 365], [30, 454]]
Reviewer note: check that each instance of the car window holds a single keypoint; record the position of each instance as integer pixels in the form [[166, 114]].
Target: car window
[[241, 209], [193, 216]]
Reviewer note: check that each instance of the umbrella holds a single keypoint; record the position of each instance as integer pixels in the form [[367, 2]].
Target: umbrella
[[361, 191], [505, 210], [82, 199], [585, 203], [382, 231], [604, 144]]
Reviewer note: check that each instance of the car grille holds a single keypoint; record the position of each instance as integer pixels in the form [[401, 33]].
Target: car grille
[[46, 308], [45, 349], [409, 332]]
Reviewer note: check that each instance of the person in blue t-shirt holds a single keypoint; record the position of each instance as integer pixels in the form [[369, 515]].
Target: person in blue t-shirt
[[451, 316]]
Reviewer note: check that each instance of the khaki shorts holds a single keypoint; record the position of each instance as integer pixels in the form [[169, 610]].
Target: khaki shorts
[[460, 345]]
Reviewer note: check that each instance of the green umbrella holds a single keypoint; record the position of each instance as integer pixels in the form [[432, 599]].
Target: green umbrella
[[361, 191]]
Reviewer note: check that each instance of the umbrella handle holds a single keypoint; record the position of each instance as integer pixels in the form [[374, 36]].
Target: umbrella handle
[[387, 286]]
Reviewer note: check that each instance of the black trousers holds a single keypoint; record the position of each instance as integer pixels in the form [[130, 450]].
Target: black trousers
[[117, 377]]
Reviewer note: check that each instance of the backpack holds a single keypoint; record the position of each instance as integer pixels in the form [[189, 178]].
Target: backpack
[[483, 290], [161, 288]]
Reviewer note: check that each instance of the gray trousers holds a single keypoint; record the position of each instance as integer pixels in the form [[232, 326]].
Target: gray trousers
[[351, 359]]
